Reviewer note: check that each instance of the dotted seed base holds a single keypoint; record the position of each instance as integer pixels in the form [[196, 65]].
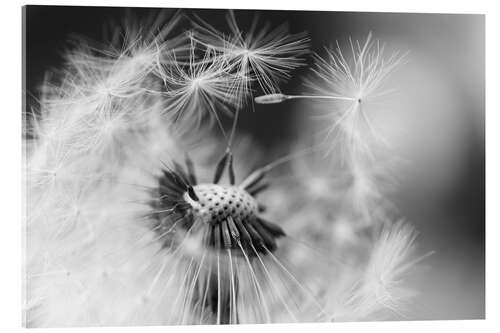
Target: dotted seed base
[[217, 202]]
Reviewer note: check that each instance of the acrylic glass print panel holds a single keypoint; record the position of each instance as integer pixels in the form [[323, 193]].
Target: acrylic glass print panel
[[197, 166]]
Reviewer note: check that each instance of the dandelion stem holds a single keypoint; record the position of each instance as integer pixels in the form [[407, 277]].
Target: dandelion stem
[[258, 174], [233, 129], [340, 98], [289, 157], [227, 158]]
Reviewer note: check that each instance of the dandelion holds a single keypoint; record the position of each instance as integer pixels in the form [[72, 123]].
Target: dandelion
[[121, 232]]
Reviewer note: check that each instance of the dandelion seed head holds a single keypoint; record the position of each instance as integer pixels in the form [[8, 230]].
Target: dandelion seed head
[[120, 233], [217, 202], [229, 215]]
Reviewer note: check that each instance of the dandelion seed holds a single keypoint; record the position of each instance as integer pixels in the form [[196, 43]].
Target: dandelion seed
[[381, 285], [347, 86], [202, 87], [348, 83], [266, 55], [278, 98], [358, 77]]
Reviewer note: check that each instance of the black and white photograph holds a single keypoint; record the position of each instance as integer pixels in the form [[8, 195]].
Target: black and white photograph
[[187, 166]]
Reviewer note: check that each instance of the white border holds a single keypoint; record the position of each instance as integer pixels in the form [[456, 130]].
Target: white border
[[10, 151]]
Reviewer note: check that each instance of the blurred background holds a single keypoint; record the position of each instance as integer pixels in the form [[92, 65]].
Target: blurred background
[[434, 122]]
